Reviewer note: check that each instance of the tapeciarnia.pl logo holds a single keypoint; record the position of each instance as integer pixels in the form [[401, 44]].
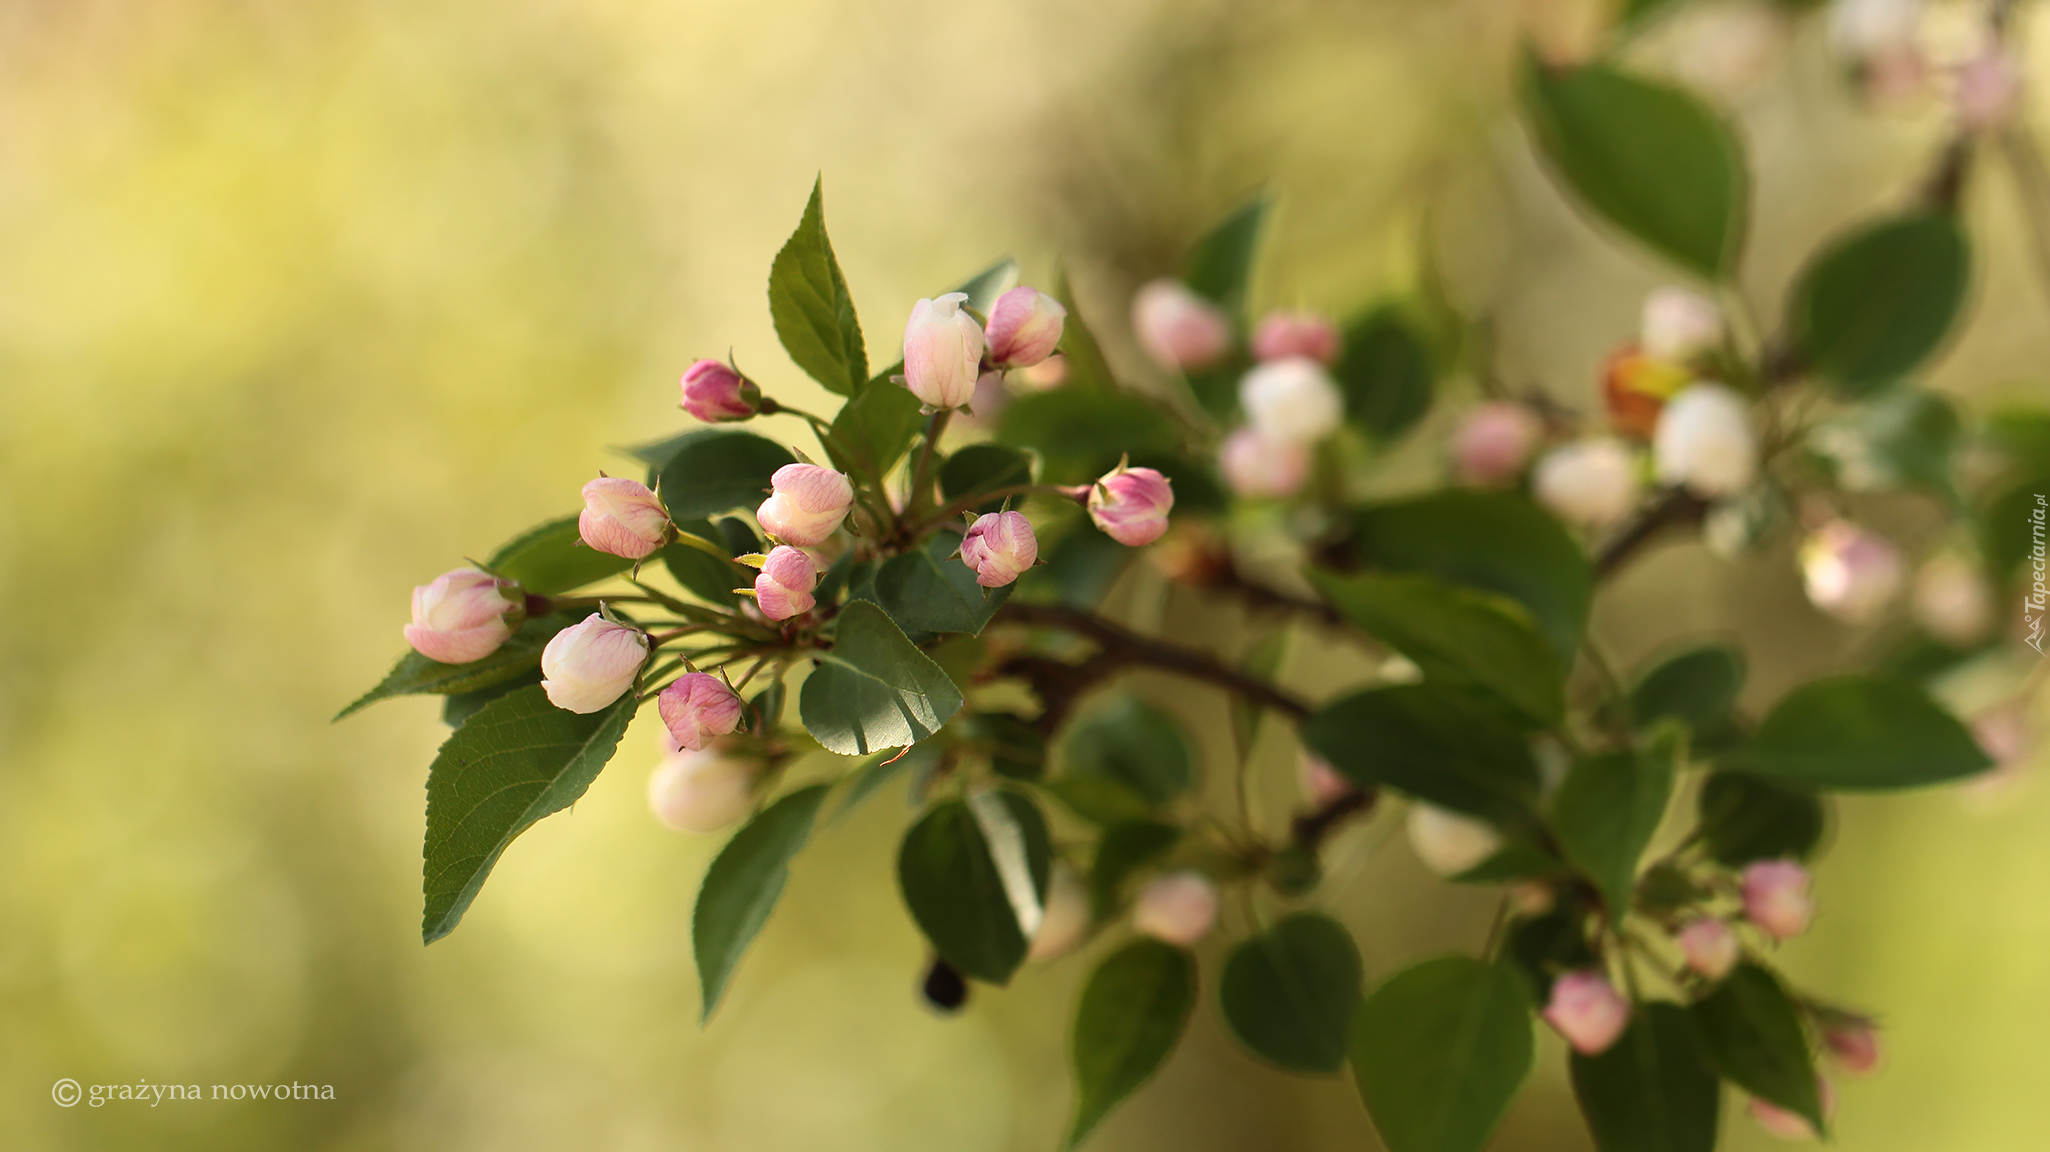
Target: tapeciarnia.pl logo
[[2038, 598]]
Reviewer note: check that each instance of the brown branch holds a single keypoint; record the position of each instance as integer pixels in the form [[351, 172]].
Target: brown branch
[[1310, 828], [1677, 508]]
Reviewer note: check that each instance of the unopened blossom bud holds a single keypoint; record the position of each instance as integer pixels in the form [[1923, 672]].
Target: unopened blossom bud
[[622, 517], [1850, 573], [1709, 947], [1447, 842], [1853, 1040], [1588, 1011], [1259, 467], [942, 351], [1776, 898], [1024, 327], [702, 791], [999, 546], [1066, 916], [1704, 441], [1988, 90], [1321, 782], [783, 588], [697, 706], [1180, 908], [807, 506], [1590, 482], [589, 665], [1292, 400], [1952, 600], [714, 392], [1178, 328], [1306, 334], [1862, 29], [464, 615], [1636, 388], [1493, 444], [1679, 324], [1131, 505], [1777, 1121]]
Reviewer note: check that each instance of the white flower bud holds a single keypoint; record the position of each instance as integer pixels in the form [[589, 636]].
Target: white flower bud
[[589, 665], [1590, 482], [1260, 468], [1292, 400], [1850, 573], [1679, 324], [942, 351], [1705, 442], [1180, 908], [702, 791], [1447, 842]]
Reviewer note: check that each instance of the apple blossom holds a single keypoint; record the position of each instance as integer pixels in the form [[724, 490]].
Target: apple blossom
[[1024, 327], [715, 393], [784, 586], [1709, 946], [1704, 441], [464, 615], [1592, 482], [1306, 334], [1131, 504], [999, 546], [807, 505], [1850, 573], [1494, 443], [1180, 908], [697, 705], [1259, 467], [1679, 324], [1178, 328], [1588, 1011], [703, 790], [1447, 842], [623, 518], [589, 665], [942, 351], [1292, 400], [1776, 898]]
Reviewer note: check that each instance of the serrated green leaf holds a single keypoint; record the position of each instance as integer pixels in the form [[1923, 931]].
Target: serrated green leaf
[[1752, 1032], [924, 590], [1289, 993], [1439, 1051], [742, 886], [1859, 733], [1386, 373], [876, 426], [1653, 1091], [975, 889], [552, 558], [1132, 1013], [517, 760], [809, 301], [1438, 744], [415, 674], [1135, 744], [1744, 819], [716, 470], [1604, 815], [1873, 305], [874, 689], [459, 707]]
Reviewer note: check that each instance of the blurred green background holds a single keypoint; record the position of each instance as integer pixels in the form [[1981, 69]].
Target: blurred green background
[[302, 303]]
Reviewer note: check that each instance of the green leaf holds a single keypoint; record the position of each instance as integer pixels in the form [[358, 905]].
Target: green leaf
[[1087, 367], [877, 425], [1752, 1031], [1220, 265], [1902, 438], [700, 571], [1605, 814], [1131, 1015], [1543, 947], [1860, 733], [553, 558], [1653, 1091], [1697, 687], [983, 468], [974, 875], [1649, 158], [1289, 993], [415, 674], [929, 589], [1498, 542], [1438, 744], [1014, 746], [1439, 1051], [1386, 373], [716, 470], [874, 690], [1744, 819], [1099, 799], [1080, 432], [1874, 305], [1080, 567], [1516, 860], [742, 886], [880, 769], [516, 761], [459, 707], [983, 288], [1135, 744], [1124, 849], [809, 302], [1456, 635]]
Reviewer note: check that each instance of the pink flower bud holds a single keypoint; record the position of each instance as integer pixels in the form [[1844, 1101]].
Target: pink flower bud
[[1853, 1040], [622, 517], [1180, 908], [464, 615], [1679, 324], [1777, 1121], [1292, 400], [1178, 328], [587, 666], [1131, 505], [1321, 782], [1988, 90], [807, 506], [714, 392], [1709, 947], [1776, 898], [999, 546], [1306, 334], [1024, 327], [702, 791], [697, 705], [1066, 917], [1591, 482], [942, 352], [1952, 600], [1850, 573], [1494, 443], [1447, 842], [1260, 468], [1588, 1011], [784, 587], [1704, 441]]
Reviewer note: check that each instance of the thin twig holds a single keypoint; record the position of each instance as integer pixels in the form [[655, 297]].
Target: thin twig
[[1122, 647]]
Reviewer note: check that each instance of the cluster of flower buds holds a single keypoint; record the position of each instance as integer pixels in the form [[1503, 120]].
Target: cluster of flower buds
[[946, 352], [1289, 400]]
